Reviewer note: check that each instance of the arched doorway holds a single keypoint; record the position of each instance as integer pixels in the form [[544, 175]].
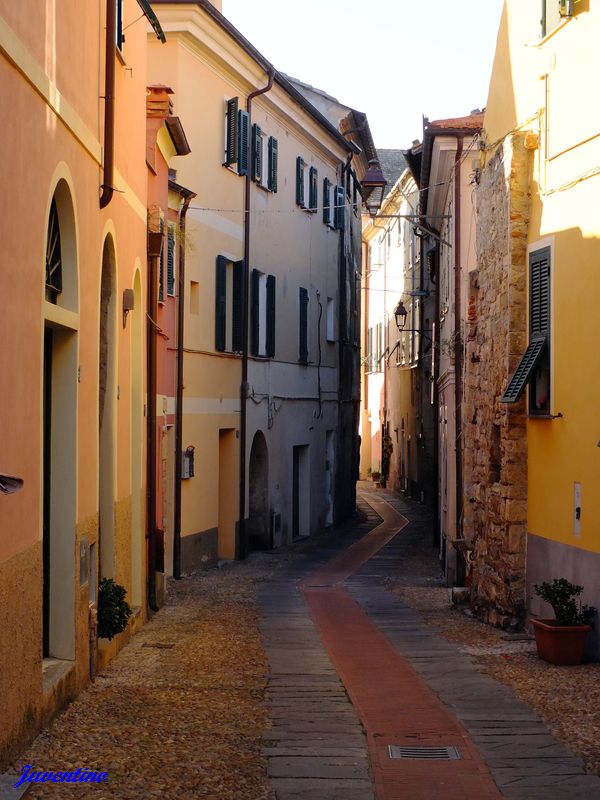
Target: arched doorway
[[59, 443], [259, 533]]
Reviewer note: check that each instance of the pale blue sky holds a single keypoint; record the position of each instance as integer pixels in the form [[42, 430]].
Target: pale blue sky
[[396, 60]]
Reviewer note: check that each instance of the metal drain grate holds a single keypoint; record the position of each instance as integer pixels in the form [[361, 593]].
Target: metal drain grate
[[431, 753]]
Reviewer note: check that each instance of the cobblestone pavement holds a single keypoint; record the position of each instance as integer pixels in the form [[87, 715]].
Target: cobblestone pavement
[[181, 712]]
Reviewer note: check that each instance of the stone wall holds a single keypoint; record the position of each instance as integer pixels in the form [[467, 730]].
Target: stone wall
[[495, 447]]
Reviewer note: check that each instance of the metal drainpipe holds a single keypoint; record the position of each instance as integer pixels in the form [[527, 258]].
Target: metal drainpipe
[[109, 104], [242, 545], [179, 402], [151, 432], [458, 359]]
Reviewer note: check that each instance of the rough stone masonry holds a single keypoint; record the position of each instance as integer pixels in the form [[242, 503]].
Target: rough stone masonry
[[495, 445]]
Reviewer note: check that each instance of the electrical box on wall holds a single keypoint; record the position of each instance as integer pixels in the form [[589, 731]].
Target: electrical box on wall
[[577, 509], [187, 463]]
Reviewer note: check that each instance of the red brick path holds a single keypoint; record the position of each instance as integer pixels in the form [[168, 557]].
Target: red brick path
[[395, 705]]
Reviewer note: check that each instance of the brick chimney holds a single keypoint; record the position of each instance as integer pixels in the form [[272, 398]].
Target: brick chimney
[[158, 102], [159, 106]]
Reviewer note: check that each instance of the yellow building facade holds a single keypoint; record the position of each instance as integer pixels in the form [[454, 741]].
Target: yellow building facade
[[542, 133]]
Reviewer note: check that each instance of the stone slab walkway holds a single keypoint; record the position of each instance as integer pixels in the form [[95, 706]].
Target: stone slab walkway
[[401, 683]]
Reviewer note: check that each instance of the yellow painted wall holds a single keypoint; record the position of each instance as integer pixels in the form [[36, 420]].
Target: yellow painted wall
[[545, 87]]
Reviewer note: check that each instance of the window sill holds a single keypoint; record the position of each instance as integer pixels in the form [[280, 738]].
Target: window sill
[[544, 416], [554, 30]]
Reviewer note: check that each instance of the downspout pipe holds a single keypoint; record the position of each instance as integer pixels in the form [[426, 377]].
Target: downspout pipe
[[154, 242], [458, 343], [242, 544], [179, 390], [109, 104]]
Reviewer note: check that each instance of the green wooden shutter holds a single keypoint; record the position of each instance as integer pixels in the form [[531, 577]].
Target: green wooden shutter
[[299, 181], [231, 151], [303, 326], [237, 310], [529, 361], [326, 201], [339, 207], [272, 164], [313, 177], [255, 313], [221, 304], [257, 143], [271, 316], [539, 290], [243, 141], [161, 266], [538, 350], [171, 260]]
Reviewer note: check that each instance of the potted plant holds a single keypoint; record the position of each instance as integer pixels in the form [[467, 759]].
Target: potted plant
[[375, 475], [562, 640], [113, 609]]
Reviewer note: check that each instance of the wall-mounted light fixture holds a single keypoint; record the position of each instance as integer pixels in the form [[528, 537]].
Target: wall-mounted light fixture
[[128, 304], [400, 314], [373, 184]]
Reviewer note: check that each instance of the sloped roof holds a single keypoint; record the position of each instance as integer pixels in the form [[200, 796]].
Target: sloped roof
[[255, 54], [392, 163], [473, 121]]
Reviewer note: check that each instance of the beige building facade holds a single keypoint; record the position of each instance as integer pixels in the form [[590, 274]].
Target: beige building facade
[[263, 320]]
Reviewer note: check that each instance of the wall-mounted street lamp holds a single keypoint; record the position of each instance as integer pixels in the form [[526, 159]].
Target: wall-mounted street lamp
[[373, 184], [400, 314]]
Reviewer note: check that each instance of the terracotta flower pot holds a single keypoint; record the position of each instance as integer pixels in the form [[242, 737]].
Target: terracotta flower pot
[[560, 644]]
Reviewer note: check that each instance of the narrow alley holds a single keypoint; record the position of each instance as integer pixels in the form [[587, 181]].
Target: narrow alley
[[363, 700]]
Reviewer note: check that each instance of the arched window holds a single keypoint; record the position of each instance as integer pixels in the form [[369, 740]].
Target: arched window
[[53, 256]]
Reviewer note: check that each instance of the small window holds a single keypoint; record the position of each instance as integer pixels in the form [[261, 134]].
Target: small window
[[262, 340], [231, 132], [330, 320], [553, 12], [194, 297], [301, 194], [327, 215], [119, 35], [374, 356], [339, 207], [313, 178], [228, 305], [303, 326], [258, 161]]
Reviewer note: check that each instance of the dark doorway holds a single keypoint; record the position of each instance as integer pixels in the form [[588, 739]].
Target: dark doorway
[[107, 413], [259, 529]]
